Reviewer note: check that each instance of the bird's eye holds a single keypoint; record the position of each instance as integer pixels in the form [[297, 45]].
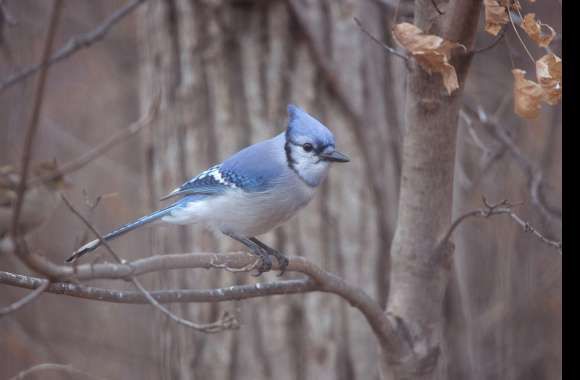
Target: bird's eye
[[307, 147]]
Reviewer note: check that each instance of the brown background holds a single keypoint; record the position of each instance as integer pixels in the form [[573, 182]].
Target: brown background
[[227, 69]]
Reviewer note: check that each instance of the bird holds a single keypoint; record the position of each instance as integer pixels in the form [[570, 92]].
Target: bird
[[253, 191], [41, 198]]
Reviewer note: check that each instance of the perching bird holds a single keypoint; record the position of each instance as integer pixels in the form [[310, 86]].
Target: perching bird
[[254, 190]]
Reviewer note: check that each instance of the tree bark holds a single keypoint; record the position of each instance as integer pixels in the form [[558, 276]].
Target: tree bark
[[419, 272]]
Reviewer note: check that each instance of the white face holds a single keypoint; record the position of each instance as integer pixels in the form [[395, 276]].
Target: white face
[[308, 164]]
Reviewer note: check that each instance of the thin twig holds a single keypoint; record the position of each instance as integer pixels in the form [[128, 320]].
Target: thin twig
[[102, 148], [501, 208], [67, 368], [75, 44], [31, 133], [520, 38], [380, 43], [492, 45], [25, 300], [437, 7], [226, 322], [535, 176]]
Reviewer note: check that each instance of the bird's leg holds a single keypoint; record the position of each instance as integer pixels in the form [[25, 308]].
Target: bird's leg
[[257, 250], [280, 258]]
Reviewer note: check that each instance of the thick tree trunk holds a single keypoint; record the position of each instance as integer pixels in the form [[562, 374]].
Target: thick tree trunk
[[419, 272]]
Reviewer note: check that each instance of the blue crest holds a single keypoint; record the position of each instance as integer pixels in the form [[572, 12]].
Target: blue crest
[[302, 126]]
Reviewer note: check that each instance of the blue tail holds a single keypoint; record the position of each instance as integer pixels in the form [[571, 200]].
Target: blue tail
[[89, 247]]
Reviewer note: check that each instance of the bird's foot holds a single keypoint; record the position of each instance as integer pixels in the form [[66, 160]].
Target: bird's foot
[[266, 263], [281, 259]]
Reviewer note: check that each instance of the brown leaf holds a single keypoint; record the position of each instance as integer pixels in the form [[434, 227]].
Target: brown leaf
[[515, 6], [496, 15], [534, 29], [431, 52], [549, 74], [528, 95]]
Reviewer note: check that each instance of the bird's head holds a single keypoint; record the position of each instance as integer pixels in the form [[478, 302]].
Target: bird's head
[[310, 147]]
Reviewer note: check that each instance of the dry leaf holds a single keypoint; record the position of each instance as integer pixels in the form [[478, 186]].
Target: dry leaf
[[431, 52], [496, 15], [528, 95], [515, 6], [534, 29], [549, 74]]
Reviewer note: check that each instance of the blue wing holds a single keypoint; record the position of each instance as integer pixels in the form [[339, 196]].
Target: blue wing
[[210, 182], [252, 169]]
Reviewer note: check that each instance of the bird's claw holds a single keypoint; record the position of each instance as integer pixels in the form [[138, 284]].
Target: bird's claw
[[281, 259], [283, 262], [265, 265]]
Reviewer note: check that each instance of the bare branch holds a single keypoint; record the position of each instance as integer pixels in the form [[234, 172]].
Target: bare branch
[[520, 38], [102, 148], [320, 280], [230, 293], [380, 43], [534, 174], [20, 250], [491, 46], [75, 44], [434, 3], [226, 322], [501, 208], [26, 299], [66, 368]]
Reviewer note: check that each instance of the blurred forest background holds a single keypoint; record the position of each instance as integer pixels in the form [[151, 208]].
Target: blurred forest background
[[226, 70]]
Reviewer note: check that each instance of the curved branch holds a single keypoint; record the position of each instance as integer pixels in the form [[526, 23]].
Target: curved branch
[[490, 46], [19, 244], [41, 288], [535, 176], [501, 208], [226, 322], [319, 280], [103, 147], [66, 368], [380, 43]]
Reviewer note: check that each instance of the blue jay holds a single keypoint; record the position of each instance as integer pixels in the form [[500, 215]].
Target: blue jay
[[253, 191]]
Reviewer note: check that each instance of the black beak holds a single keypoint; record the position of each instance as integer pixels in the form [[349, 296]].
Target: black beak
[[335, 156]]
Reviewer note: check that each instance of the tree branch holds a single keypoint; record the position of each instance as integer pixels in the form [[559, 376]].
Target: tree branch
[[380, 43], [43, 286], [319, 280], [66, 368], [534, 174], [224, 294], [501, 208], [102, 148], [73, 45], [19, 243], [490, 46], [226, 322]]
